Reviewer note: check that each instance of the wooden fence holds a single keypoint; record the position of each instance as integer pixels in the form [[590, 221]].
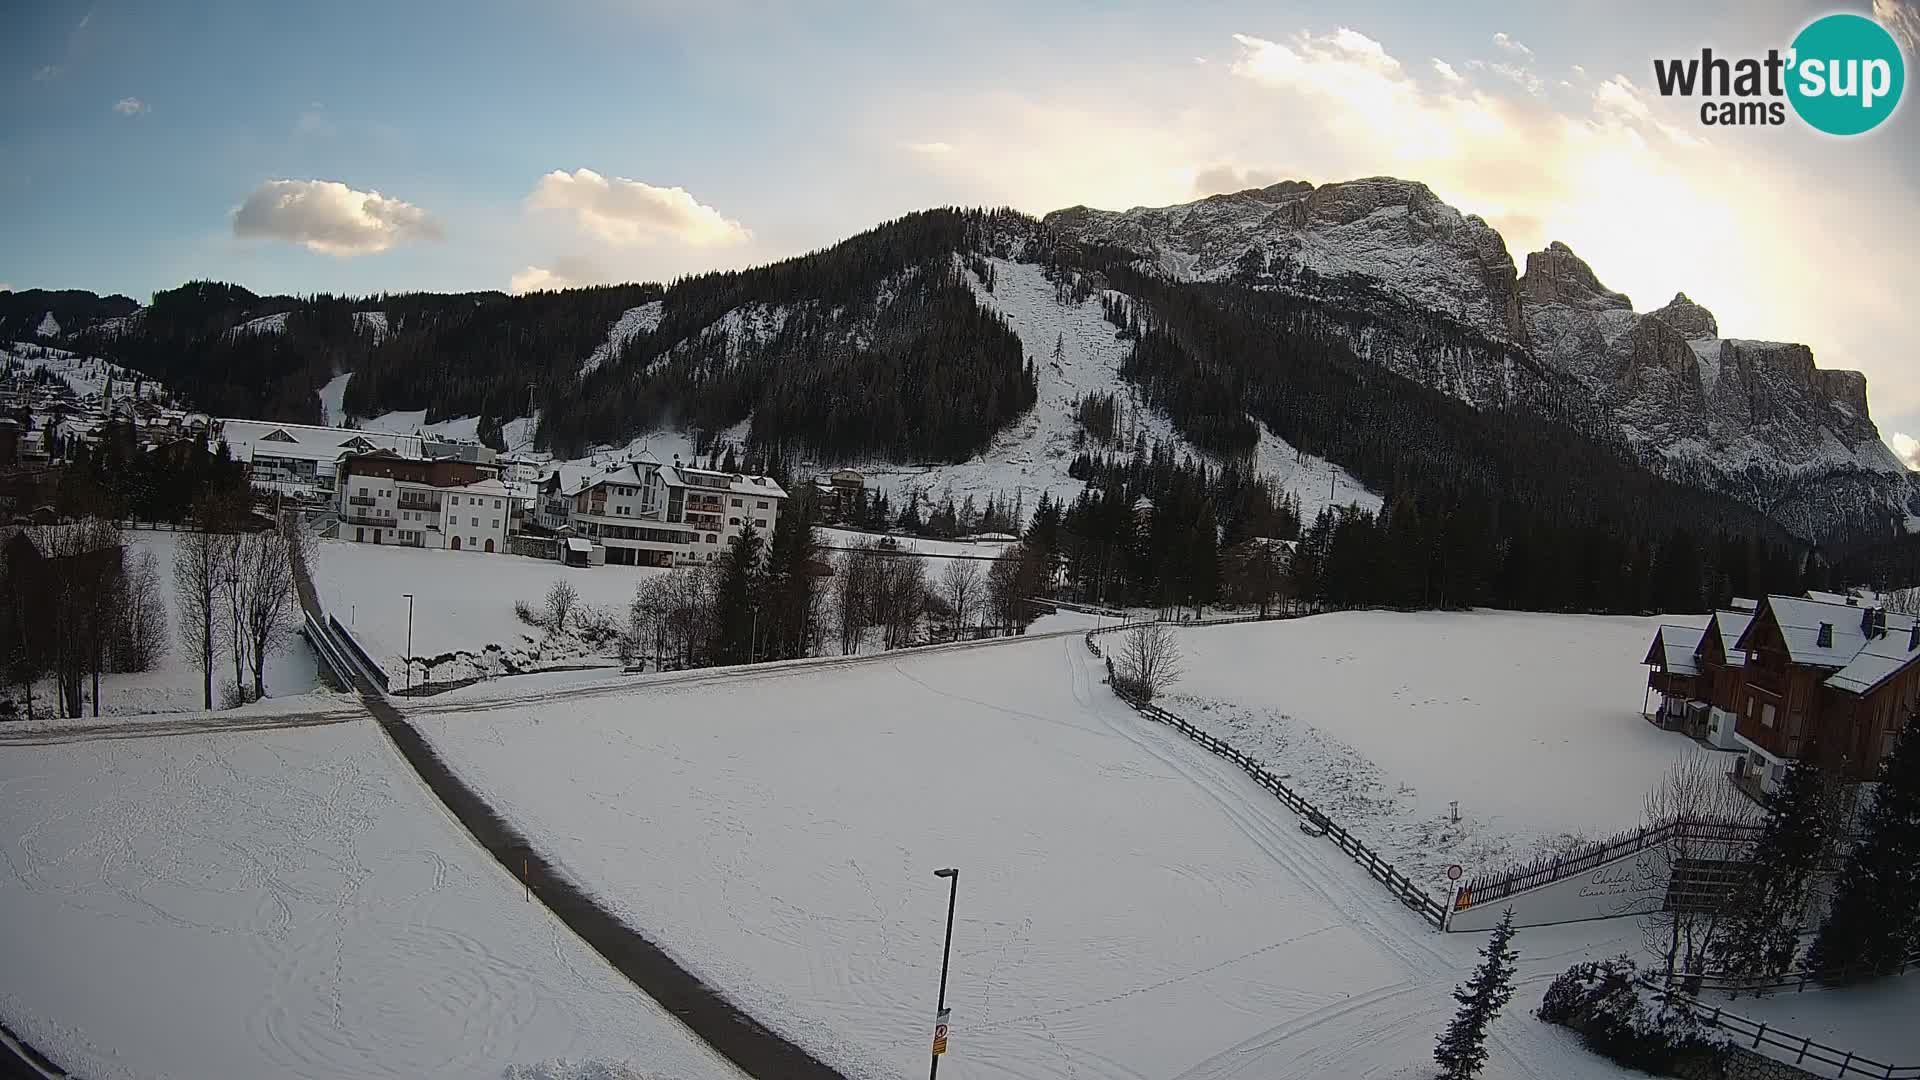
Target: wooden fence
[[1798, 979], [1486, 890], [1803, 1048], [1311, 816]]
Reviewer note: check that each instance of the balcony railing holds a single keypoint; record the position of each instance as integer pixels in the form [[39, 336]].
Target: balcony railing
[[419, 504], [369, 519], [361, 500]]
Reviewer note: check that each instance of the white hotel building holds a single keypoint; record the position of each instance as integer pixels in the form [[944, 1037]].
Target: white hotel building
[[644, 513]]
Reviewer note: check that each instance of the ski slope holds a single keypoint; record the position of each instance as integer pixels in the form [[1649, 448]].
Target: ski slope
[[289, 904], [1129, 906], [1532, 722]]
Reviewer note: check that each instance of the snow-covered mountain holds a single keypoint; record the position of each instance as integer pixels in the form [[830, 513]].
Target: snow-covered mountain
[[1756, 420]]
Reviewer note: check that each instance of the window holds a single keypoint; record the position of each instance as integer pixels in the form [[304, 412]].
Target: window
[[736, 502], [496, 523], [1766, 716], [733, 521], [761, 505], [759, 523], [454, 499], [363, 489], [476, 523], [710, 540], [496, 504]]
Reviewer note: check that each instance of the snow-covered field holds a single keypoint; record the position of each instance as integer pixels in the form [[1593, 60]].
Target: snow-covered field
[[1129, 906], [463, 603], [1874, 1021], [1532, 722], [288, 904]]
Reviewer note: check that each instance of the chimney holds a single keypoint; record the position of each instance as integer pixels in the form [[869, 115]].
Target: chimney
[[1825, 640]]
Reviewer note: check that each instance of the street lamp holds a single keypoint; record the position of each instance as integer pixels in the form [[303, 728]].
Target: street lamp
[[940, 1017], [409, 597]]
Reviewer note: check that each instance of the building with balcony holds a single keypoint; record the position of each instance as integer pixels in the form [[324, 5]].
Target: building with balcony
[[644, 513], [386, 498], [1837, 675], [301, 460]]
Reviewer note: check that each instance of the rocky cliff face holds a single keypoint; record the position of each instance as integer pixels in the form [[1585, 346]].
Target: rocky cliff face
[[1755, 419]]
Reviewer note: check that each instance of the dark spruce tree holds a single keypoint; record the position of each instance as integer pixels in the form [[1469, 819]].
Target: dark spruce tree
[[791, 592], [736, 599], [1874, 924], [1462, 1048], [1769, 904]]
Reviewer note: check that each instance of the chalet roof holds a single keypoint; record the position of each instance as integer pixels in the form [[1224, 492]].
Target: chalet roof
[[1673, 647], [1800, 621], [1741, 603], [1730, 625], [1881, 658], [308, 441]]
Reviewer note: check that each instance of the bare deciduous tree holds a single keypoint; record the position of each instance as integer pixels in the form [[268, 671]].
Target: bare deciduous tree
[[562, 598], [960, 583], [269, 611], [198, 568], [1695, 797], [142, 637], [1149, 659], [852, 594]]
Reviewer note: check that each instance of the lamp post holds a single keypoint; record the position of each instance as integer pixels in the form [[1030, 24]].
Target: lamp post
[[409, 597], [940, 1022]]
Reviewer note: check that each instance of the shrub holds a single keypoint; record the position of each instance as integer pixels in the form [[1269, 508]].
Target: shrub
[[524, 612], [1604, 1001]]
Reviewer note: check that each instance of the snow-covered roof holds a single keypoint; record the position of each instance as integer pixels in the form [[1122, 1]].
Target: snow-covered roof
[[738, 483], [575, 543], [1881, 658], [1741, 603], [1800, 621], [307, 441], [1677, 644], [1731, 624]]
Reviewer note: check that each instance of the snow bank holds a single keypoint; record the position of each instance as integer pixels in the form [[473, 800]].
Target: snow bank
[[1532, 722], [287, 904]]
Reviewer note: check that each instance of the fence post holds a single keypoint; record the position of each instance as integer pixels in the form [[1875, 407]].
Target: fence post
[[1804, 1043], [1758, 1035]]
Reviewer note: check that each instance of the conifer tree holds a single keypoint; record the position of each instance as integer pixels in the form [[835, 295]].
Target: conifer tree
[[1462, 1048], [1875, 920], [1770, 903], [736, 600]]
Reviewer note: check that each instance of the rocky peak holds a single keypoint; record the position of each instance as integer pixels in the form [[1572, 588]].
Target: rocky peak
[[1693, 322], [1558, 276]]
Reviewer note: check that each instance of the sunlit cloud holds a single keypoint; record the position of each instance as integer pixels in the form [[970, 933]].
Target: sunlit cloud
[[129, 106], [1446, 71], [1512, 46], [563, 272], [1906, 447], [331, 218], [623, 212]]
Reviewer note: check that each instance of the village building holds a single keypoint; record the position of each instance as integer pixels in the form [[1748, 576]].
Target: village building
[[643, 513], [301, 460], [1836, 675], [388, 498]]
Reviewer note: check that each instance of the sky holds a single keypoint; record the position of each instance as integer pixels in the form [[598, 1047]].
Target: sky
[[498, 144]]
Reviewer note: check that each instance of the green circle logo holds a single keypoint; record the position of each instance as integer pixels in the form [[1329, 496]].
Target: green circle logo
[[1847, 74]]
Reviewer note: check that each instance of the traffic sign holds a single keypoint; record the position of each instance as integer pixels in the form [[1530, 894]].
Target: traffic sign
[[940, 1033], [1454, 872]]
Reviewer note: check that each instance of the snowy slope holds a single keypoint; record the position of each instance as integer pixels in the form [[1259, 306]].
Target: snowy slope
[[287, 904], [1032, 454], [86, 375], [1128, 906], [1530, 721], [333, 411], [49, 326], [371, 323], [644, 319], [266, 324]]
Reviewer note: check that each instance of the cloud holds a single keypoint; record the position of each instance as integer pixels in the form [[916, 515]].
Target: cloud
[[1446, 71], [1906, 447], [1512, 46], [628, 213], [129, 106], [47, 71], [566, 272], [1902, 20], [331, 218], [1218, 179]]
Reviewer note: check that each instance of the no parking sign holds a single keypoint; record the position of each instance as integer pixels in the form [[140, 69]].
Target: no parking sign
[[940, 1032]]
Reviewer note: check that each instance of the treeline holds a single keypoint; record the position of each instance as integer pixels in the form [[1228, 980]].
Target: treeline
[[115, 478]]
